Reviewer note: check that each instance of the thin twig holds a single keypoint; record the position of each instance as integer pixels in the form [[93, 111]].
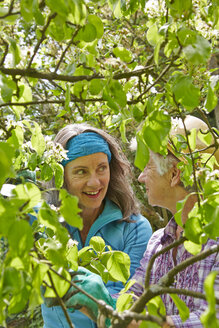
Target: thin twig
[[164, 250], [41, 39], [62, 304]]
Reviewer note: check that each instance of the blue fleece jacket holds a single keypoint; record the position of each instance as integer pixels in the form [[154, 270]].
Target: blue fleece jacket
[[129, 237]]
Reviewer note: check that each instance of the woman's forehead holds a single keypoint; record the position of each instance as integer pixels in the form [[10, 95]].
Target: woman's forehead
[[89, 160]]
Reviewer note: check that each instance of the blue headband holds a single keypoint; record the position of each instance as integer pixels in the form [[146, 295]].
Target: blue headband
[[86, 144]]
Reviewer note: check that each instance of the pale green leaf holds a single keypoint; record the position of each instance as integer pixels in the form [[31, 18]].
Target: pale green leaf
[[37, 140], [97, 243], [156, 306], [124, 302], [60, 284], [199, 51], [155, 130], [192, 248], [124, 54], [20, 238], [211, 100], [118, 266], [69, 209], [142, 153], [183, 309], [186, 92], [97, 23], [29, 193], [208, 318]]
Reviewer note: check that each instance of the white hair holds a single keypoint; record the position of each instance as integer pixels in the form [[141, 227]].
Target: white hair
[[163, 164]]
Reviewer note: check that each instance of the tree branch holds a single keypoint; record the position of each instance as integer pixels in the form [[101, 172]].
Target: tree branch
[[62, 304], [41, 39], [164, 250], [10, 13]]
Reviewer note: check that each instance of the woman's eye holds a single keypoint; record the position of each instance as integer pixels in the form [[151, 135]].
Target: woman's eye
[[79, 172], [102, 168]]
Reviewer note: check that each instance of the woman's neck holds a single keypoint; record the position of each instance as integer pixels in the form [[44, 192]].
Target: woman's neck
[[89, 216]]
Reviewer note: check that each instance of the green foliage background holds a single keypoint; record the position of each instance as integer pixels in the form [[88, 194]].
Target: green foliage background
[[125, 66]]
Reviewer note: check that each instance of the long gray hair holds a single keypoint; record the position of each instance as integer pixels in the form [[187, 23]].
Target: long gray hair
[[119, 189]]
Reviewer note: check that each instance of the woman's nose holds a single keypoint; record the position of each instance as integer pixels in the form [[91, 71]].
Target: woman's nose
[[141, 177], [93, 181]]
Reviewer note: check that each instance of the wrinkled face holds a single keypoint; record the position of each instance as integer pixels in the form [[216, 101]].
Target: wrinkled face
[[87, 177], [157, 186]]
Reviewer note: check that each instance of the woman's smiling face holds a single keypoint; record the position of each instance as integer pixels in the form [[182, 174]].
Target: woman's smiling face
[[88, 177]]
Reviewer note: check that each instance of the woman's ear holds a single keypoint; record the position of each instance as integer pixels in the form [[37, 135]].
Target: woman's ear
[[175, 176]]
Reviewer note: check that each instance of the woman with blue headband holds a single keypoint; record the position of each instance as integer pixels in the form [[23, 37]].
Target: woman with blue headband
[[98, 173]]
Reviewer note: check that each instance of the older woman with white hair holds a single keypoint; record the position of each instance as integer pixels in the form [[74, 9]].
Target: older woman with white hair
[[164, 188]]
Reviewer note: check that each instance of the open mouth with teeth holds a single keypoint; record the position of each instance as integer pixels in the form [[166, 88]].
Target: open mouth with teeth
[[92, 194]]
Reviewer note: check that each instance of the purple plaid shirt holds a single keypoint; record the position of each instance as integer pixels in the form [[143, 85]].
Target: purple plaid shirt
[[192, 278]]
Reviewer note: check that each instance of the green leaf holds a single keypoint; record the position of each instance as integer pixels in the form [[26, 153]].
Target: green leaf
[[211, 100], [37, 278], [138, 113], [210, 214], [118, 266], [122, 130], [97, 243], [97, 23], [124, 302], [72, 256], [193, 229], [26, 10], [57, 29], [198, 52], [156, 306], [49, 218], [6, 157], [17, 137], [19, 301], [29, 193], [88, 33], [46, 172], [20, 238], [11, 281], [69, 209], [118, 93], [153, 36], [155, 131], [15, 51], [181, 306], [157, 50], [192, 139], [98, 268], [33, 161], [115, 95], [96, 86], [60, 284], [208, 318], [116, 7], [37, 13], [124, 54], [58, 6], [179, 8], [7, 88], [37, 140], [58, 173], [142, 153], [192, 248], [8, 214], [185, 92], [85, 255]]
